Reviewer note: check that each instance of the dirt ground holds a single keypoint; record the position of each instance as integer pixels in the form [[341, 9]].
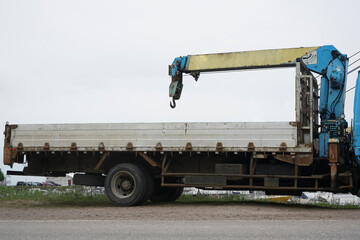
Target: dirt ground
[[174, 211]]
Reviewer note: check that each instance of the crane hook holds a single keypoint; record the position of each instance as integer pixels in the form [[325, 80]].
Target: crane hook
[[173, 103]]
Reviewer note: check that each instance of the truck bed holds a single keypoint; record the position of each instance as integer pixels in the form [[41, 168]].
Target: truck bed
[[182, 136]]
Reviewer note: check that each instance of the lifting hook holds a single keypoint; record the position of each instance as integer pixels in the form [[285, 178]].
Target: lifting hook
[[173, 103]]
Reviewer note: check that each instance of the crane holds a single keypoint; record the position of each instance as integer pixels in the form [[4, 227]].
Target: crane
[[328, 136]]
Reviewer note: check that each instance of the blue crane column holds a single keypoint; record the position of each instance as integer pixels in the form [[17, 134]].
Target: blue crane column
[[332, 65]]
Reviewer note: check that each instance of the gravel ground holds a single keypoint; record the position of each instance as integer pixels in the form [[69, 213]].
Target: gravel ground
[[175, 211]]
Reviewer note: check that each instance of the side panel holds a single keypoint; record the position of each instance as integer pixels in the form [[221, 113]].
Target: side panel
[[9, 154], [231, 136]]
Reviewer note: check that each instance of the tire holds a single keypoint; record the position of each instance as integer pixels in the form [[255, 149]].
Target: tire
[[176, 196], [165, 194], [150, 185], [128, 185]]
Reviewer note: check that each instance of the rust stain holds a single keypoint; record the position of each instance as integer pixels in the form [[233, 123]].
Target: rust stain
[[188, 146], [7, 155], [219, 146], [333, 152], [101, 146], [158, 147], [20, 146], [73, 146], [251, 146], [46, 146], [283, 146], [129, 146]]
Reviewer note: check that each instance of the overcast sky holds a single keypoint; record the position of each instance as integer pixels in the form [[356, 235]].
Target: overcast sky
[[107, 61]]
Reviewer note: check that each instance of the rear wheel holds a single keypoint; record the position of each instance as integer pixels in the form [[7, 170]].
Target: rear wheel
[[128, 185], [165, 194], [175, 197]]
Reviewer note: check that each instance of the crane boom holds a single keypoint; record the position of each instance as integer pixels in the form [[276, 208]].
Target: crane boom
[[316, 59], [246, 60]]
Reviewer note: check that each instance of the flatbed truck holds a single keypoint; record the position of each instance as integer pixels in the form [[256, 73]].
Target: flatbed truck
[[136, 162]]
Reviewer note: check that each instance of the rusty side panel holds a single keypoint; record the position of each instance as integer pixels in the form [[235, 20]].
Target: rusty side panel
[[9, 155], [333, 160]]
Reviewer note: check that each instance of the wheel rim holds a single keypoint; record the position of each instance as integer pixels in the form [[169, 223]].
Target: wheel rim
[[123, 184]]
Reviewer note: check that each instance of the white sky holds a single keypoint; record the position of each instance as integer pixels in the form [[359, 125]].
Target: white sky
[[107, 61]]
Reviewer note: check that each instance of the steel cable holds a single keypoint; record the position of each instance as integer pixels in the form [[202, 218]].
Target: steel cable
[[354, 54]]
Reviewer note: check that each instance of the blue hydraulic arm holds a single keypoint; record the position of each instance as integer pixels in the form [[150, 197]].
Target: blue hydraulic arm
[[332, 66]]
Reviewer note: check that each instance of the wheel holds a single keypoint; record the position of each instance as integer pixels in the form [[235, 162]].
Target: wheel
[[150, 185], [175, 196], [128, 185], [165, 194]]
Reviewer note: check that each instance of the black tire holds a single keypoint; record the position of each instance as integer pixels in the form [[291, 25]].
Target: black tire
[[177, 195], [150, 185], [165, 194], [128, 184]]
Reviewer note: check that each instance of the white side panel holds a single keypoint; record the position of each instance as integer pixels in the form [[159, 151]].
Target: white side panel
[[145, 136]]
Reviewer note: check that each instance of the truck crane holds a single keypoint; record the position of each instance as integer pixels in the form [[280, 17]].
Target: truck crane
[[136, 162], [329, 138]]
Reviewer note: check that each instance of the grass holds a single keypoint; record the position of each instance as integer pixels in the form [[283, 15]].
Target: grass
[[211, 199], [74, 196], [54, 196]]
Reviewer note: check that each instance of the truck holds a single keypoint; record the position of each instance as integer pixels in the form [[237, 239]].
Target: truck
[[136, 162]]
